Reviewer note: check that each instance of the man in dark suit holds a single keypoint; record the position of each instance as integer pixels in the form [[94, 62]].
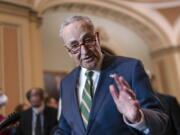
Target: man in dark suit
[[170, 105], [105, 95], [172, 109], [39, 119]]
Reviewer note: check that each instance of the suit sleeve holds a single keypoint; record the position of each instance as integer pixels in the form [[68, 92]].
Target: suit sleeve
[[175, 114], [156, 120], [63, 127], [18, 129]]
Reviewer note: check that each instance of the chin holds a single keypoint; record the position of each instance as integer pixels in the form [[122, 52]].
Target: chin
[[90, 66], [36, 106]]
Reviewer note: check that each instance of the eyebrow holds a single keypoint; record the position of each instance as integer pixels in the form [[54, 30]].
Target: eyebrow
[[82, 38], [86, 35]]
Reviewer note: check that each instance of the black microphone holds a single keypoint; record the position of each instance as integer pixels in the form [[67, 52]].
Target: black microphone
[[9, 120]]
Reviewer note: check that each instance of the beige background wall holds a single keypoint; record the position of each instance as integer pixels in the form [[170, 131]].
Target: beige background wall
[[21, 63]]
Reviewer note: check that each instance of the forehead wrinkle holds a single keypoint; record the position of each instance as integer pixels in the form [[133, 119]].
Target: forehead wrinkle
[[77, 29], [84, 35]]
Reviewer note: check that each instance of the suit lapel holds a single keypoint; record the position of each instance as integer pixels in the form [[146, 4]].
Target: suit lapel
[[75, 104], [102, 89]]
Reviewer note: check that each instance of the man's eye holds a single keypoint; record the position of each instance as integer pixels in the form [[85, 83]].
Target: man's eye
[[89, 40], [74, 45]]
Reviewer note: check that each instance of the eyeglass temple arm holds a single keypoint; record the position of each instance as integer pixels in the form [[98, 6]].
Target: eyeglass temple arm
[[98, 39]]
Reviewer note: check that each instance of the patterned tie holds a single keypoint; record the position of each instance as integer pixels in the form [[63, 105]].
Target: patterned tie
[[86, 102]]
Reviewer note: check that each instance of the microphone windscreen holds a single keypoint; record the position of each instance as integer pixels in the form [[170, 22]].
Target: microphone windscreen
[[11, 119]]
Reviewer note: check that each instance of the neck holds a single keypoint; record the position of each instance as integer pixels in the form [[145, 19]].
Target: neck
[[38, 109]]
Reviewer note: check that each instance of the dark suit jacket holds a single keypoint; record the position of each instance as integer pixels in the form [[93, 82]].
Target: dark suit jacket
[[172, 109], [50, 121], [105, 119]]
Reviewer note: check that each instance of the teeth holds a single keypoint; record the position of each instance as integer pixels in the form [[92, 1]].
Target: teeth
[[87, 57]]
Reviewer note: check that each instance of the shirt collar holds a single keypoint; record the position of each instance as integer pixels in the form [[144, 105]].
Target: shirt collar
[[38, 110]]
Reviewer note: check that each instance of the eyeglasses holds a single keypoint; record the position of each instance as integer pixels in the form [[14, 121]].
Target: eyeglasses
[[88, 42]]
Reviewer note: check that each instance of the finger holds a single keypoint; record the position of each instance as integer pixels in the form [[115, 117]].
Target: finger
[[121, 82], [125, 86], [136, 103], [116, 79], [114, 93], [124, 81], [128, 93]]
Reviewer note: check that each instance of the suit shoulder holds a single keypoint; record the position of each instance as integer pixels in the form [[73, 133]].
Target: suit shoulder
[[71, 74], [26, 112], [51, 109], [167, 97], [126, 61]]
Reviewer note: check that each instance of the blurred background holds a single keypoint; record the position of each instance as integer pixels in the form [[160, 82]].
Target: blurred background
[[32, 54]]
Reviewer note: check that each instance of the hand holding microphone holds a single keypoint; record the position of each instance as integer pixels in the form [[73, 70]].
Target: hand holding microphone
[[9, 120]]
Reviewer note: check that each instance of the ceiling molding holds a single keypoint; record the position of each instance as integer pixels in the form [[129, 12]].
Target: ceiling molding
[[124, 15], [165, 51], [19, 11], [156, 5], [17, 3]]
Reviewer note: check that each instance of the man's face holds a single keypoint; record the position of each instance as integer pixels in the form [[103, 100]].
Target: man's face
[[79, 33], [35, 99]]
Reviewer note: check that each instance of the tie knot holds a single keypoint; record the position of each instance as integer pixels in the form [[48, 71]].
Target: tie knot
[[89, 74]]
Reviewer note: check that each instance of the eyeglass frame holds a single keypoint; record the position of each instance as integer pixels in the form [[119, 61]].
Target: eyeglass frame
[[96, 35]]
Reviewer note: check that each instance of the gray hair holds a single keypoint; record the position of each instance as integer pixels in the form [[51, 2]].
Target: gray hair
[[75, 19]]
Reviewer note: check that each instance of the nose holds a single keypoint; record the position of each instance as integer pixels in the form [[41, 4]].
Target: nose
[[84, 49]]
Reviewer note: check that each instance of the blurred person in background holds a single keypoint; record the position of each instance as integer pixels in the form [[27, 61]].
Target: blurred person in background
[[3, 102], [51, 102], [39, 119], [170, 105], [21, 107]]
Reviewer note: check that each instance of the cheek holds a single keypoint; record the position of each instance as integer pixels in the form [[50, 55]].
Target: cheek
[[76, 58], [97, 51]]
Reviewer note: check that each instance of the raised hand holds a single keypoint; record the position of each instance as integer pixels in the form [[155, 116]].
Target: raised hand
[[125, 99]]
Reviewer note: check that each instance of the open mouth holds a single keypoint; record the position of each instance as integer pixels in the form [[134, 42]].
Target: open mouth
[[88, 59]]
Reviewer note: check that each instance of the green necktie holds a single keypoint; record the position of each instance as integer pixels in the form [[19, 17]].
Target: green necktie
[[86, 101]]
